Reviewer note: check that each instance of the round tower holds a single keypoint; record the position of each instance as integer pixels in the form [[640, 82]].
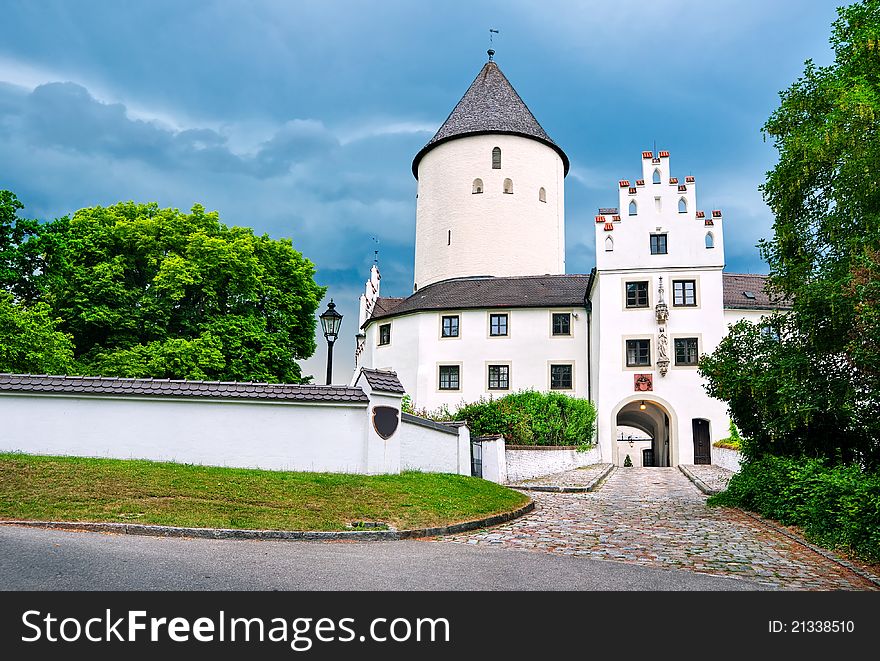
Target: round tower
[[491, 195]]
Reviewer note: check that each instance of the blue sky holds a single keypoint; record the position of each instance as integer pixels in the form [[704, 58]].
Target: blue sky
[[300, 119]]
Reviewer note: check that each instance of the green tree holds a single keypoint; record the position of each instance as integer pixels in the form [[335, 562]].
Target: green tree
[[146, 291], [18, 253], [30, 340], [813, 386]]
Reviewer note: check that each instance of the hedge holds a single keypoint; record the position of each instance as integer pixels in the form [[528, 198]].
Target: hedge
[[836, 506], [532, 418]]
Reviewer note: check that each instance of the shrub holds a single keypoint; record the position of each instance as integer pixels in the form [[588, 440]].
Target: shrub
[[627, 463], [532, 418], [836, 506]]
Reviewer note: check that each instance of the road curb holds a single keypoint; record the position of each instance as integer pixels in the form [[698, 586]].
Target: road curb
[[290, 535], [825, 553], [589, 486], [697, 482]]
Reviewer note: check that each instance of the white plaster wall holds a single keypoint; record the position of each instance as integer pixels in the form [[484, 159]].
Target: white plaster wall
[[727, 458], [731, 315], [417, 350], [494, 462], [681, 391], [524, 464], [271, 436], [493, 233], [429, 450]]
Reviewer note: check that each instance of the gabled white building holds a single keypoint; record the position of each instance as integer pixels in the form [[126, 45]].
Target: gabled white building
[[493, 311]]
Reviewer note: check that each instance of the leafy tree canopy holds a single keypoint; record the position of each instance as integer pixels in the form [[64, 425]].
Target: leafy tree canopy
[[145, 291], [813, 384], [30, 341]]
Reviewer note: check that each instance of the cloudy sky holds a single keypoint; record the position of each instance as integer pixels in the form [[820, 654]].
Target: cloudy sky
[[301, 118]]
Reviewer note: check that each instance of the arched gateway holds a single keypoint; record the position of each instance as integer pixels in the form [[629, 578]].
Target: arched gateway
[[645, 429]]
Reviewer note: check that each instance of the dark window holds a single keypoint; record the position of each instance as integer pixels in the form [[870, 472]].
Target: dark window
[[684, 293], [686, 351], [496, 158], [561, 323], [450, 326], [636, 294], [560, 377], [499, 377], [497, 324], [449, 377], [478, 186], [385, 334], [638, 353], [658, 244]]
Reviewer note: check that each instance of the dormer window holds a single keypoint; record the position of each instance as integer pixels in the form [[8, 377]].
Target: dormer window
[[496, 158], [478, 186]]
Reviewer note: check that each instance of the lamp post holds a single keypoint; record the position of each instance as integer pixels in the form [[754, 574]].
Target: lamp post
[[331, 320]]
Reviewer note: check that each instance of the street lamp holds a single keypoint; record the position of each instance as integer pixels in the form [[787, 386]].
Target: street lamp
[[331, 320]]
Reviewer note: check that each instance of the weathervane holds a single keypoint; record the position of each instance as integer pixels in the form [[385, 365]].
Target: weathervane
[[376, 251], [491, 50]]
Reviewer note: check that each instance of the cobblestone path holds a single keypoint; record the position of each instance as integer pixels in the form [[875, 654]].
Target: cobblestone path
[[656, 517]]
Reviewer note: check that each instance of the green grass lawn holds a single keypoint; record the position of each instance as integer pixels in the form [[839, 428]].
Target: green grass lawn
[[78, 489]]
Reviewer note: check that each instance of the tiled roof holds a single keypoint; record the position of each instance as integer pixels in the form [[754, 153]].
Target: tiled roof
[[385, 303], [737, 284], [102, 385], [490, 105], [383, 381], [539, 291]]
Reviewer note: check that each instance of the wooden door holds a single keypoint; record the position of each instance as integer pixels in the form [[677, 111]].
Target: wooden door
[[702, 452]]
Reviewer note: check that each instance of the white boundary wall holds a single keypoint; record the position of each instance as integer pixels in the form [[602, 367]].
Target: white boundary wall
[[524, 463], [272, 435], [727, 458], [428, 446], [215, 432]]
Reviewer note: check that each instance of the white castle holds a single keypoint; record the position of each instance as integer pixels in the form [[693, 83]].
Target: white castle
[[493, 310]]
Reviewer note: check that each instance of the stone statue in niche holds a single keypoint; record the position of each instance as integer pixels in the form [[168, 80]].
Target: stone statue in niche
[[661, 309], [663, 351]]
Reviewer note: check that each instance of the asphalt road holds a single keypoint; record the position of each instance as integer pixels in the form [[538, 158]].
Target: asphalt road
[[34, 559]]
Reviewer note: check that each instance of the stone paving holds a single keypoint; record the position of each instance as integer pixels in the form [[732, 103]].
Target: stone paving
[[580, 477], [714, 477], [657, 518]]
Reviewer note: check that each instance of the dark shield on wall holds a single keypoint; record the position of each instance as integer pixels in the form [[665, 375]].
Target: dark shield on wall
[[385, 421]]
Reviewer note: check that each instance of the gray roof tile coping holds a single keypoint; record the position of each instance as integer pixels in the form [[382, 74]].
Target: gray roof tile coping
[[104, 385], [383, 380]]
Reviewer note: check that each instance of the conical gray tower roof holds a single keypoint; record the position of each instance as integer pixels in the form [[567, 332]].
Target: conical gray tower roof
[[490, 105]]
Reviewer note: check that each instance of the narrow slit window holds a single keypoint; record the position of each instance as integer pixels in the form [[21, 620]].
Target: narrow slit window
[[496, 158], [633, 208], [656, 178], [542, 195], [449, 237], [508, 186], [682, 206], [609, 244], [710, 240], [478, 186]]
